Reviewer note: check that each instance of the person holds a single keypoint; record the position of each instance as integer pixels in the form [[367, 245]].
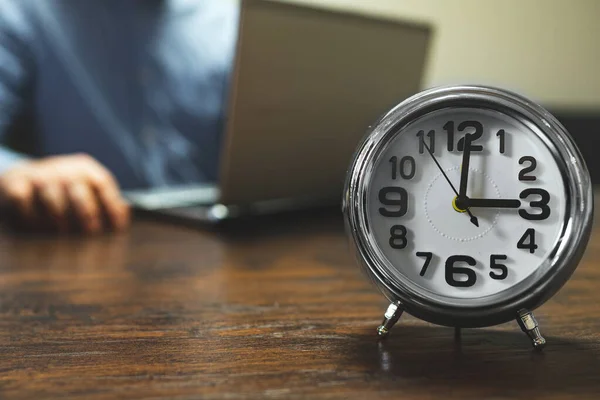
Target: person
[[121, 94]]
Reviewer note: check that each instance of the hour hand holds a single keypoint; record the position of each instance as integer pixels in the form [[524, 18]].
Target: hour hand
[[492, 203]]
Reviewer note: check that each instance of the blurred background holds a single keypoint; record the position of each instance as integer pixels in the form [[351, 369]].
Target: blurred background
[[545, 49], [227, 102]]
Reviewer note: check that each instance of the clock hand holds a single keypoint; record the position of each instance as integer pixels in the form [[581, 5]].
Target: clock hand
[[474, 220], [464, 173], [492, 203]]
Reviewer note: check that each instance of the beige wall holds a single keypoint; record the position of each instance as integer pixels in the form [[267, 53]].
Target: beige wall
[[548, 50]]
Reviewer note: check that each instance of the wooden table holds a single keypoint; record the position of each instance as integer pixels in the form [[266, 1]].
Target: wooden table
[[275, 308]]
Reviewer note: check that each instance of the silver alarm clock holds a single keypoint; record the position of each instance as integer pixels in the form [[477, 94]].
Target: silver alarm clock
[[468, 206]]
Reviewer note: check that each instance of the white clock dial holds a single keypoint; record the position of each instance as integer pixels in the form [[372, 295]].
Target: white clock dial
[[427, 241]]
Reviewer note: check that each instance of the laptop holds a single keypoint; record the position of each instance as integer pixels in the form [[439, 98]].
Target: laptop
[[307, 84]]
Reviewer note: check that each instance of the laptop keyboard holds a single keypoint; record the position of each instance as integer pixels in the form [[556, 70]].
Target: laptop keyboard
[[153, 199]]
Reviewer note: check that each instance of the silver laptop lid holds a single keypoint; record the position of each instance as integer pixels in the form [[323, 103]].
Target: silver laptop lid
[[307, 84]]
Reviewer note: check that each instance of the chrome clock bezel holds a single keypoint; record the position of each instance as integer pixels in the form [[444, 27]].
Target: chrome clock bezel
[[527, 294]]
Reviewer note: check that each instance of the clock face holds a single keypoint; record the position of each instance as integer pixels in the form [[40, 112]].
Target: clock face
[[503, 226]]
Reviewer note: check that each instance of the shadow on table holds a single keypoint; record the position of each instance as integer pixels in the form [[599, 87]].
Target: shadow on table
[[299, 222], [495, 362], [255, 228]]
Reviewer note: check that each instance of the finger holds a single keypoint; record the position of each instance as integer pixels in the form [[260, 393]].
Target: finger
[[54, 200], [121, 216], [115, 208], [108, 193], [20, 197], [85, 206]]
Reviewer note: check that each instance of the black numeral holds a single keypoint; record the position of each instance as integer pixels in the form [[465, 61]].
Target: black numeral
[[530, 168], [398, 237], [478, 131], [503, 271], [501, 136], [428, 256], [478, 127], [394, 162], [451, 270], [449, 128], [528, 235], [394, 197], [542, 204], [409, 162], [407, 169], [431, 136]]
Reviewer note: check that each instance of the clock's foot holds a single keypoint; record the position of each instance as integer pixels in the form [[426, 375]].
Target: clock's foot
[[457, 334], [391, 316], [530, 326]]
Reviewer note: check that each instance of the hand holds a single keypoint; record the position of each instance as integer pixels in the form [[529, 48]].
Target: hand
[[464, 172], [474, 219], [63, 193], [492, 203]]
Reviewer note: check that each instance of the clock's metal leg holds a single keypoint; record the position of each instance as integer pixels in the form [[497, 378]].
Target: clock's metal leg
[[457, 334], [391, 316], [529, 325]]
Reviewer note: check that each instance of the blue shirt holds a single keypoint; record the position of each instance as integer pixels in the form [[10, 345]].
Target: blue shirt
[[141, 85]]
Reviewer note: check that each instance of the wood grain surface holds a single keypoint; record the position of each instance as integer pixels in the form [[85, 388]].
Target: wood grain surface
[[271, 308]]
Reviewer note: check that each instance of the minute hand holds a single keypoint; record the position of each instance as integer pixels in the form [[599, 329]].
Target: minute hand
[[493, 203], [464, 173]]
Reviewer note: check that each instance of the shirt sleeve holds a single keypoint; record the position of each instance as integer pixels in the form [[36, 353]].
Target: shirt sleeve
[[16, 70]]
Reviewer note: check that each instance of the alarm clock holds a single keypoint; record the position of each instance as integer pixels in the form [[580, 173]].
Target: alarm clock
[[468, 206]]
